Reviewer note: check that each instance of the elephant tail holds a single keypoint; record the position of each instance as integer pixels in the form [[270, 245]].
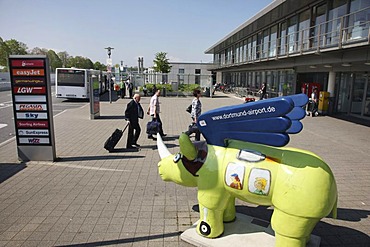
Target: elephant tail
[[333, 213]]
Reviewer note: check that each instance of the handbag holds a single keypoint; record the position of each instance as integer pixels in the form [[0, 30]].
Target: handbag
[[188, 109], [152, 127]]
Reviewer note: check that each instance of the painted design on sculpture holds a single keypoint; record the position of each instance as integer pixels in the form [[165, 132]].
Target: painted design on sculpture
[[234, 176], [259, 181], [245, 159]]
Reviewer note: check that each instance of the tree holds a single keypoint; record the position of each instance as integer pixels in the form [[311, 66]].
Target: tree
[[39, 51], [161, 63], [16, 47], [99, 66], [54, 60], [4, 53], [64, 58]]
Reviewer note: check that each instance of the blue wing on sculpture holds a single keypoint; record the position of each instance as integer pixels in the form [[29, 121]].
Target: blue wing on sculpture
[[266, 122]]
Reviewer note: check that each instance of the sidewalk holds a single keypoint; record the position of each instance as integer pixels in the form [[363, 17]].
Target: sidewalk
[[90, 197]]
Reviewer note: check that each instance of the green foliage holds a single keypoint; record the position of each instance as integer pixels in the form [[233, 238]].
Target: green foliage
[[188, 87], [16, 47], [150, 86], [80, 62], [56, 60], [161, 63], [99, 66]]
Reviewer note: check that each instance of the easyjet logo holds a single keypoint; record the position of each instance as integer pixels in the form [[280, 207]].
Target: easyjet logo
[[28, 72]]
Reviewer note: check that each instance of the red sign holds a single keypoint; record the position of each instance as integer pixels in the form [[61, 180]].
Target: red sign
[[29, 81], [33, 124], [29, 90], [27, 63], [28, 72]]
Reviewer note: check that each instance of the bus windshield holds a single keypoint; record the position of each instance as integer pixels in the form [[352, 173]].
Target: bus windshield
[[72, 78]]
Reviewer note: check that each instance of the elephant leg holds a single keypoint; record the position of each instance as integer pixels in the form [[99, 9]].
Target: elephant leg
[[291, 230], [229, 213], [211, 222]]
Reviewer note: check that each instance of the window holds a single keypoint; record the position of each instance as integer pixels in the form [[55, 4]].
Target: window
[[273, 37], [264, 44], [283, 38], [197, 71], [319, 29], [304, 30], [358, 26], [181, 76], [292, 35], [337, 10]]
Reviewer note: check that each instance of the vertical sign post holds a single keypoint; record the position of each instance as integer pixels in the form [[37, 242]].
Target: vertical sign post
[[94, 97], [32, 107]]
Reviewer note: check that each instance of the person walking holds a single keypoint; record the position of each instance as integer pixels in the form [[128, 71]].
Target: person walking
[[262, 91], [123, 89], [133, 112], [196, 110], [314, 100], [154, 110], [130, 89]]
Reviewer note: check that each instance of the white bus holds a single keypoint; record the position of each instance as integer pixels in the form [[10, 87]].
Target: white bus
[[73, 83]]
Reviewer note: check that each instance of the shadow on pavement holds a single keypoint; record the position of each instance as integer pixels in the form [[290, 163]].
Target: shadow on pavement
[[124, 240], [352, 119], [338, 235], [9, 170], [110, 117], [105, 97], [100, 157]]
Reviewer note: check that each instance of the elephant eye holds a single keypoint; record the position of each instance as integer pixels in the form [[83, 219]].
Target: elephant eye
[[177, 157]]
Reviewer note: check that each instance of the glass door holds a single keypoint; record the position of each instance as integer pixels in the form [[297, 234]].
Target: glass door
[[344, 93], [358, 94], [367, 98]]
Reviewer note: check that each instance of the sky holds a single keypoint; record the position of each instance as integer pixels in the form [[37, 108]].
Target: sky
[[183, 29]]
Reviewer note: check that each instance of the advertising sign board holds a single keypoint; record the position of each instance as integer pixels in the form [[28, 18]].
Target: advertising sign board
[[32, 107]]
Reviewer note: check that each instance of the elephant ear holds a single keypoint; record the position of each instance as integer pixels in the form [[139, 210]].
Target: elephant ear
[[266, 122]]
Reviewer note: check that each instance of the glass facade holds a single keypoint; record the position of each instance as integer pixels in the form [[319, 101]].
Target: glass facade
[[321, 27]]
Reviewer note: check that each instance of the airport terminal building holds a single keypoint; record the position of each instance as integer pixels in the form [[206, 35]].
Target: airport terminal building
[[294, 46]]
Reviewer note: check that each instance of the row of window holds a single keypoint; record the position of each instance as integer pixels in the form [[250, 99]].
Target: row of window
[[278, 83], [337, 23]]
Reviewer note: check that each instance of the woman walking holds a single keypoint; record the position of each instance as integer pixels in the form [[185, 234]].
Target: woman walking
[[196, 110]]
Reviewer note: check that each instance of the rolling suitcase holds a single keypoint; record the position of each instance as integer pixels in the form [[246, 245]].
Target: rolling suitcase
[[114, 139]]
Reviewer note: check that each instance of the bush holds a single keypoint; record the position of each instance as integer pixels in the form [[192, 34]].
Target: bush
[[150, 86], [188, 87]]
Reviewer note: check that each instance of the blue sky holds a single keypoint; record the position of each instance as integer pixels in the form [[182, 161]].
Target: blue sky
[[183, 29]]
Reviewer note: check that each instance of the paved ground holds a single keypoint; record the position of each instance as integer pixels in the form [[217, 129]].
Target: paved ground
[[90, 197]]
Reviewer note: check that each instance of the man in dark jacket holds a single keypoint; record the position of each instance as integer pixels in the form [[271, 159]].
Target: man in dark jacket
[[133, 112]]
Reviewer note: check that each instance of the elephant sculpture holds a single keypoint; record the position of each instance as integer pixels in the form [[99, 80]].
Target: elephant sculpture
[[297, 183]]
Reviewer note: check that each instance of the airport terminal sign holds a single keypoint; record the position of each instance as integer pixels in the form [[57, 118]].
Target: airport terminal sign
[[31, 93]]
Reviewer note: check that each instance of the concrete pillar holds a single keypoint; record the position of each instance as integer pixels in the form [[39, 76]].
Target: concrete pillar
[[331, 83]]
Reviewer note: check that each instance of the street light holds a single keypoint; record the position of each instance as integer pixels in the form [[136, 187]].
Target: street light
[[109, 67], [109, 50]]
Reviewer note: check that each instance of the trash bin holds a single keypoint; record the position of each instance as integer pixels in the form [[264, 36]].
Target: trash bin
[[163, 93], [207, 92], [323, 102]]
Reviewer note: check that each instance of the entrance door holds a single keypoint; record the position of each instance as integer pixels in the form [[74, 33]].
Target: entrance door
[[358, 94], [367, 98], [344, 93]]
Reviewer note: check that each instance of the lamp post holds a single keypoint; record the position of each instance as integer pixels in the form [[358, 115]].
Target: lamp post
[[109, 68]]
